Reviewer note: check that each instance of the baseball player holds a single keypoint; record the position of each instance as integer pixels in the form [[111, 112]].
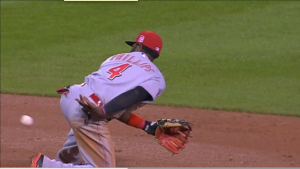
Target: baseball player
[[123, 83]]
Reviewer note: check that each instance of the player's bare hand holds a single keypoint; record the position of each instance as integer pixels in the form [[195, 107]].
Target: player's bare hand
[[94, 112]]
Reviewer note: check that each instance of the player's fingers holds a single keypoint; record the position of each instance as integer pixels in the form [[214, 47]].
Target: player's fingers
[[83, 103], [80, 96], [80, 102], [88, 103], [83, 100]]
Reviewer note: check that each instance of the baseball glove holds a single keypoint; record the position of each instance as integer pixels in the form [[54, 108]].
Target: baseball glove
[[173, 134]]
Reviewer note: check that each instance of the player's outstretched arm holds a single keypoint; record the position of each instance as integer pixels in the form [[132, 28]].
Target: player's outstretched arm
[[137, 121]]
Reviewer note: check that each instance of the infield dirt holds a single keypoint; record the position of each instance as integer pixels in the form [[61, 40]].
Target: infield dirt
[[220, 139]]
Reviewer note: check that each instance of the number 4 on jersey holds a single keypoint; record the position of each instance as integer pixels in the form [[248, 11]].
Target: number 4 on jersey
[[117, 71]]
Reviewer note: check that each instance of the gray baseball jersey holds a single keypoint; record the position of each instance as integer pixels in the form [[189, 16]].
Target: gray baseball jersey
[[125, 71], [116, 75]]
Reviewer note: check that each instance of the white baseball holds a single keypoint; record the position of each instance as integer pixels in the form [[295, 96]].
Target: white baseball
[[26, 120]]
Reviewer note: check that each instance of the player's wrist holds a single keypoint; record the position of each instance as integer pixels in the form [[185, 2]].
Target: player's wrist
[[150, 127], [103, 112], [97, 113], [136, 121]]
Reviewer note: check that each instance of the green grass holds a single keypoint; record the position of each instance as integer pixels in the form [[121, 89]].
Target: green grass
[[229, 55]]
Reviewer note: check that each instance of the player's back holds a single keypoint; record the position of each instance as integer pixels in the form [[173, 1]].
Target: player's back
[[122, 72]]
